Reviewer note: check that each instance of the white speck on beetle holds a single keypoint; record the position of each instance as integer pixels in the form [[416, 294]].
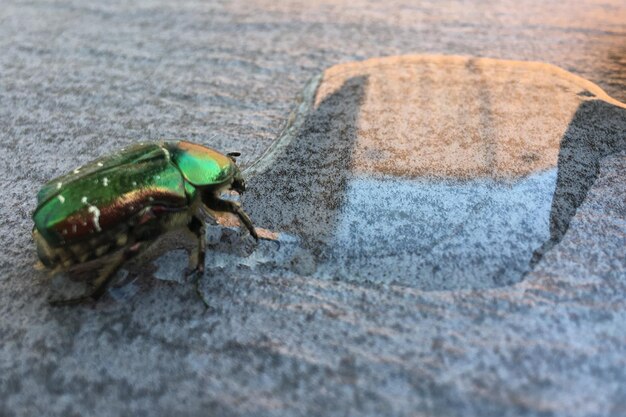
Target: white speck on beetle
[[96, 217], [61, 198], [83, 200], [105, 181], [134, 183], [100, 164], [158, 177], [166, 152], [150, 198], [77, 170], [59, 185]]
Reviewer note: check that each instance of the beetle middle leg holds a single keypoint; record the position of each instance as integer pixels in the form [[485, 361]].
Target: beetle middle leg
[[218, 204], [107, 273], [197, 228], [197, 231]]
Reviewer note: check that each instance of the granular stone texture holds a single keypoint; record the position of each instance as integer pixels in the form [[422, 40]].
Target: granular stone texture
[[289, 334], [435, 172]]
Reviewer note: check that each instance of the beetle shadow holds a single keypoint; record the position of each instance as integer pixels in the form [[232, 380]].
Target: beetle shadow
[[597, 130], [303, 190]]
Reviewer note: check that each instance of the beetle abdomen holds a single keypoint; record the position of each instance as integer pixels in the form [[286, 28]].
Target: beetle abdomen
[[66, 256], [141, 227]]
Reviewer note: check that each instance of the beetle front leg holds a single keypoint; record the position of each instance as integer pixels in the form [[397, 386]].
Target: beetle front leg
[[232, 207], [104, 278]]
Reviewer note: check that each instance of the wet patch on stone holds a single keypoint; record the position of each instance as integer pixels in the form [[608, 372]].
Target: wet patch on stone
[[433, 172]]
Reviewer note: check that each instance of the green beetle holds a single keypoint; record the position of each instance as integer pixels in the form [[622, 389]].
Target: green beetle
[[115, 206]]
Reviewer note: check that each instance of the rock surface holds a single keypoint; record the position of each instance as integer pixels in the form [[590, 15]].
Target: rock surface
[[282, 337], [435, 172]]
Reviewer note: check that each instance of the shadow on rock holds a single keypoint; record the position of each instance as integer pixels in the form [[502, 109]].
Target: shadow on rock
[[597, 130], [303, 191], [382, 186]]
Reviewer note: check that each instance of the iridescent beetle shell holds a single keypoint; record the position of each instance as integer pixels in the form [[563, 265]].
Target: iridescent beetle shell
[[131, 197]]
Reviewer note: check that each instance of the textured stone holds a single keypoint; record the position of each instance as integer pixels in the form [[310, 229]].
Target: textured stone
[[435, 172]]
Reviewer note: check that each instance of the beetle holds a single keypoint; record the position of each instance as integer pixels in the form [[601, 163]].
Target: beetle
[[114, 207]]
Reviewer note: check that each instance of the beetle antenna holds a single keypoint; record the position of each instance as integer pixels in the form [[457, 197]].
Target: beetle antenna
[[233, 155]]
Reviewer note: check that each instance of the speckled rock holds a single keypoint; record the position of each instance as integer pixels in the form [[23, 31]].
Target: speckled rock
[[435, 172]]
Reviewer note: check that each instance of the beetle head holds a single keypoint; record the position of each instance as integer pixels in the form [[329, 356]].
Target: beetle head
[[239, 184]]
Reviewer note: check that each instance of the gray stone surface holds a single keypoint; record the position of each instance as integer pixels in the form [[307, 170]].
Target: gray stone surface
[[78, 79], [436, 172]]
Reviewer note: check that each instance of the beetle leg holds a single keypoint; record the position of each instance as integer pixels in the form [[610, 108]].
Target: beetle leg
[[104, 279], [196, 227], [232, 207]]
